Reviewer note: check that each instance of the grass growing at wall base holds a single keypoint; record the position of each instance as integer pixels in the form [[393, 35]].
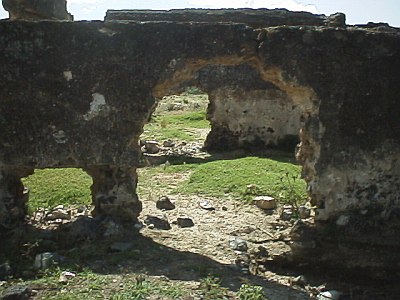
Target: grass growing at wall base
[[240, 178], [246, 177], [273, 177], [52, 187]]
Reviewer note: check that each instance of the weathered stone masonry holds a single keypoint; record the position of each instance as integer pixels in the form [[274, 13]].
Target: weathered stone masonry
[[77, 94]]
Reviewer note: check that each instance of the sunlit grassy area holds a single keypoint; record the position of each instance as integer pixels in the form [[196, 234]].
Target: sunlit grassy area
[[240, 178], [52, 187], [175, 125]]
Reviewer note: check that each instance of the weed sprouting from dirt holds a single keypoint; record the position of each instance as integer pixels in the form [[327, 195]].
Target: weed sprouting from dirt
[[290, 193], [251, 292], [211, 288]]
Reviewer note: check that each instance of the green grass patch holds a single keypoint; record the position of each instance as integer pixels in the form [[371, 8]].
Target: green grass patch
[[89, 285], [194, 119], [251, 292], [244, 178], [211, 289], [176, 125], [52, 187]]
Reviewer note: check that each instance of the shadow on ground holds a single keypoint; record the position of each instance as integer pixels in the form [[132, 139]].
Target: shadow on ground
[[144, 257]]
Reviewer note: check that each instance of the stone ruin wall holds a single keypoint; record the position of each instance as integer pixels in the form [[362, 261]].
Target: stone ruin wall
[[78, 95], [245, 111]]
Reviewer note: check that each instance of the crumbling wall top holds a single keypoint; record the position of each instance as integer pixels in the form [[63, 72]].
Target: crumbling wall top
[[253, 17]]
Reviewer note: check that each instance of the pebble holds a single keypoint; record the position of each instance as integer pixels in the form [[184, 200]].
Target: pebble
[[286, 214], [299, 281], [238, 244], [243, 260], [304, 212], [17, 293], [58, 214], [46, 260], [165, 203], [65, 276], [184, 222], [205, 204], [265, 202], [329, 295], [342, 220], [84, 228], [152, 147], [157, 223], [168, 143], [5, 271]]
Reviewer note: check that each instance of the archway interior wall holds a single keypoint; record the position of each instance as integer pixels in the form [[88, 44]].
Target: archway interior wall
[[245, 110]]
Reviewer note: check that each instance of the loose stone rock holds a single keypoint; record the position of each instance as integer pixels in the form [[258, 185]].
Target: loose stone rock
[[342, 220], [168, 143], [83, 228], [329, 295], [336, 20], [17, 293], [304, 212], [185, 222], [206, 205], [152, 147], [165, 203], [58, 214], [299, 281], [5, 271], [265, 202], [46, 260], [286, 214], [243, 260], [238, 244], [65, 276], [157, 223]]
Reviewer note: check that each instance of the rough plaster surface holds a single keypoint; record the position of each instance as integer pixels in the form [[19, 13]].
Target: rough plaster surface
[[78, 94]]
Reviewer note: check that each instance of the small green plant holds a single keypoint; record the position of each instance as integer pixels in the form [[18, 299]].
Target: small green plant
[[250, 191], [251, 292], [211, 288], [290, 194], [141, 289], [163, 123], [138, 291]]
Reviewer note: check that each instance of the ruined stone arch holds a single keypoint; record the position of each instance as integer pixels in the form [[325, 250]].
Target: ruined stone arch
[[64, 105]]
